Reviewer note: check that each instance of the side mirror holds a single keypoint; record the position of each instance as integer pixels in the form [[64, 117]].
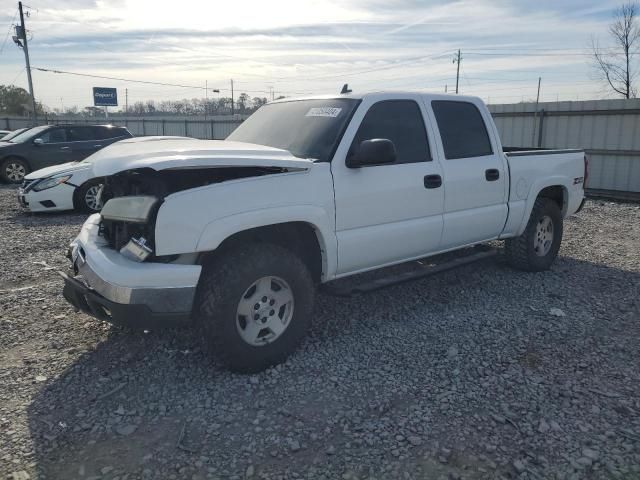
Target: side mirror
[[377, 151], [38, 141]]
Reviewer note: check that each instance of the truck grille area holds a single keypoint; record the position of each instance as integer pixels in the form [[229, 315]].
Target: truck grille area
[[117, 233]]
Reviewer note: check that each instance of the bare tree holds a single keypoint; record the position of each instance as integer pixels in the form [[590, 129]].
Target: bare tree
[[615, 65]]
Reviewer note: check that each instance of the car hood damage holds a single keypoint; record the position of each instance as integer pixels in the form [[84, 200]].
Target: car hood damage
[[183, 154]]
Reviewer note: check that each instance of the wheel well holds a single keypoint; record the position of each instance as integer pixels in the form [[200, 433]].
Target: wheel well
[[557, 194], [298, 237]]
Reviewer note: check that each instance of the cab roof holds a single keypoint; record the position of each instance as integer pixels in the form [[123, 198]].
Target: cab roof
[[384, 95]]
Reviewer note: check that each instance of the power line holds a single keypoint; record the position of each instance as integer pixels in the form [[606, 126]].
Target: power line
[[146, 82], [16, 77]]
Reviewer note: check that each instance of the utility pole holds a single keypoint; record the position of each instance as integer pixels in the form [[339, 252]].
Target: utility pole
[[21, 34], [535, 115], [126, 101], [206, 98], [445, 88], [232, 105], [457, 60]]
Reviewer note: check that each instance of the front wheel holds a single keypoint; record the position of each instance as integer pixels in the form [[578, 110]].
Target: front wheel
[[537, 247], [255, 305], [13, 170], [87, 198]]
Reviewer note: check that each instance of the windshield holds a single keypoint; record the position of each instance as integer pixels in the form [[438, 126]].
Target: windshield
[[13, 134], [28, 134], [306, 128]]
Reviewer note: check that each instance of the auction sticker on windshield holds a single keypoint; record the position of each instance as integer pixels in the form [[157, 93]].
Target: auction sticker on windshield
[[332, 112]]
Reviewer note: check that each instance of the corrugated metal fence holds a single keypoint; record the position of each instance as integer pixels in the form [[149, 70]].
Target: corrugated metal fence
[[216, 128], [609, 130]]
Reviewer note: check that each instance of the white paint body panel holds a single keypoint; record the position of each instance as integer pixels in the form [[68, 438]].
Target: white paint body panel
[[61, 195], [302, 196], [384, 214]]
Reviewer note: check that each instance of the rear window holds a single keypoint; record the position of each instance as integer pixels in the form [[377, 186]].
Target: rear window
[[81, 134], [462, 129], [113, 132]]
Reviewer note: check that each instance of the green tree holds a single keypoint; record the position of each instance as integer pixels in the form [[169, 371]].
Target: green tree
[[16, 101], [258, 102], [243, 102]]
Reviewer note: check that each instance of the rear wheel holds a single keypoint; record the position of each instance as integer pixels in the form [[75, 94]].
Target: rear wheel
[[13, 170], [255, 305], [87, 198], [537, 247]]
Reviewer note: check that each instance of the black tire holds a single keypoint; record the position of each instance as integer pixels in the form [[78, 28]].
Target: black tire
[[225, 281], [521, 252], [80, 197], [12, 166]]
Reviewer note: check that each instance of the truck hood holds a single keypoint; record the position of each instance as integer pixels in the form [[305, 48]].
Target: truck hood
[[163, 154], [57, 169]]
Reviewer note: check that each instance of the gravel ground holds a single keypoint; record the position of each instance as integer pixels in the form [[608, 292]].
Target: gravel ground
[[484, 372]]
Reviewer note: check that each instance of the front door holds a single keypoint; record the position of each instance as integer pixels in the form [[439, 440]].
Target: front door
[[474, 173], [387, 213], [54, 149]]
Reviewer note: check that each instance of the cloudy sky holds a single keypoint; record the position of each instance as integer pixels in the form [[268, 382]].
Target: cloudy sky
[[304, 46]]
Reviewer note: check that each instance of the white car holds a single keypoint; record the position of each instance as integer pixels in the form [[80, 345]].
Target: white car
[[4, 133], [69, 186], [236, 234], [61, 187]]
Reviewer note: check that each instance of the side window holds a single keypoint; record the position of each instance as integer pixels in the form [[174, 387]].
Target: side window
[[462, 129], [401, 122], [111, 132], [55, 135], [81, 134]]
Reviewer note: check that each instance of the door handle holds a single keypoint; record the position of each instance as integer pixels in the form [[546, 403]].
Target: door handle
[[97, 146], [65, 148], [432, 181], [492, 174]]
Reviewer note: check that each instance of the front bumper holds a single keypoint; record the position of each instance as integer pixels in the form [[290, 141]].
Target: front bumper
[[55, 199], [112, 288], [138, 316]]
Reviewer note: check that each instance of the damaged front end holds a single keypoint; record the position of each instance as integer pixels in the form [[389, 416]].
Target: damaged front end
[[135, 196]]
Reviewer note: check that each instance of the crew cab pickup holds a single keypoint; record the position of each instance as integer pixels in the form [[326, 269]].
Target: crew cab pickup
[[234, 236]]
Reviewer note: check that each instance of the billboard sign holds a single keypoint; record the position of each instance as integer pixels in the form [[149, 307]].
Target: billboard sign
[[105, 97]]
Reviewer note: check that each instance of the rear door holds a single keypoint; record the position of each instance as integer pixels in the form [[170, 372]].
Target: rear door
[[84, 141], [474, 173], [384, 213]]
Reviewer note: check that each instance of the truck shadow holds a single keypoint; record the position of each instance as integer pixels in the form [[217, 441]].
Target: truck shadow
[[153, 404]]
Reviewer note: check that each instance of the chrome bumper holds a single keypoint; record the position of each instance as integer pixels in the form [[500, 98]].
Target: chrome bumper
[[160, 299]]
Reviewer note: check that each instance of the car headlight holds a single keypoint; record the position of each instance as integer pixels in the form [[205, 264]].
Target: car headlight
[[51, 182]]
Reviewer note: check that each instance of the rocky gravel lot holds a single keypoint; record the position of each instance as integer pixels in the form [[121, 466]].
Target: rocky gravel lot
[[480, 373]]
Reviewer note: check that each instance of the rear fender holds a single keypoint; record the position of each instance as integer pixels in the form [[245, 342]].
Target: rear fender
[[534, 192]]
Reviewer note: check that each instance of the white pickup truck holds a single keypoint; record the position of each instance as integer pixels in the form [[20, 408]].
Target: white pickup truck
[[235, 235]]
